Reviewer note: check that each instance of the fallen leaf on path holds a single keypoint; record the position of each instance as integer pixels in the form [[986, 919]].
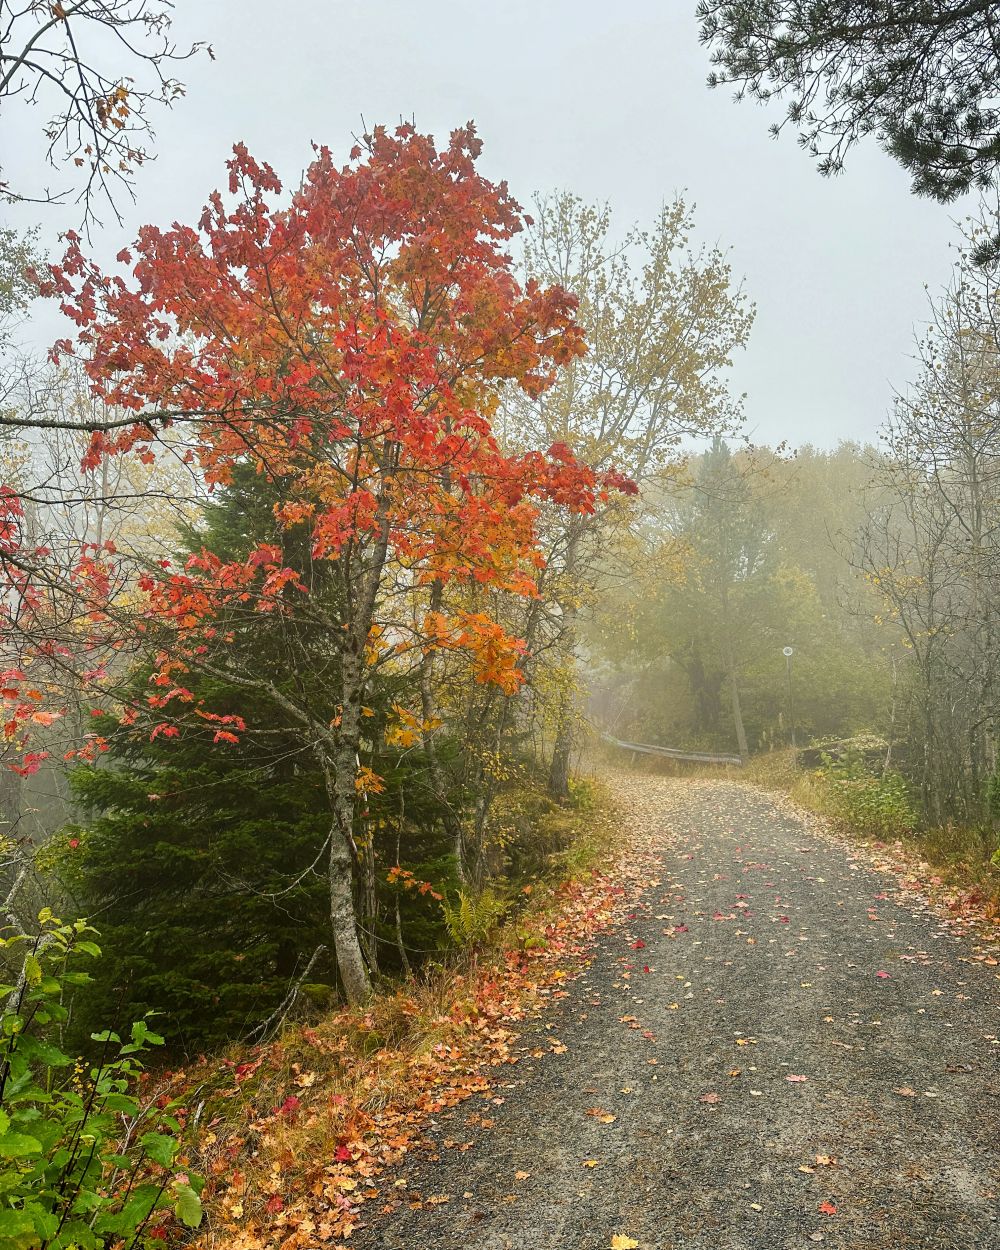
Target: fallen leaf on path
[[796, 1080], [709, 1098], [602, 1116], [620, 1242], [905, 1092], [827, 1208]]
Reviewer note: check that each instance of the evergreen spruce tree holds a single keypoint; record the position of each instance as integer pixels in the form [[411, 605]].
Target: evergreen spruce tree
[[202, 863]]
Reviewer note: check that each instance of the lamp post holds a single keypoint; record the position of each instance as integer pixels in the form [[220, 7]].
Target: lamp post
[[788, 652]]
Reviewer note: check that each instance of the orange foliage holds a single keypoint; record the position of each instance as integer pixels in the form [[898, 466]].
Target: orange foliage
[[353, 345]]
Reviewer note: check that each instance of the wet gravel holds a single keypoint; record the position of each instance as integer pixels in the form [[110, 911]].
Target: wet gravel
[[778, 1049]]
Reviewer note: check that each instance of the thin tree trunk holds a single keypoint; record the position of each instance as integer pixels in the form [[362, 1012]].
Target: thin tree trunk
[[439, 786], [887, 763], [561, 752], [559, 769], [741, 733], [734, 684], [369, 940], [340, 775]]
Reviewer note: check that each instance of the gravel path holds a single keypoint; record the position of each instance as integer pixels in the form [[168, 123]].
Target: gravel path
[[776, 1051]]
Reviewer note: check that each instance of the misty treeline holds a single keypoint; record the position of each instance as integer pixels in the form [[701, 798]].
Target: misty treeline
[[877, 566], [743, 553]]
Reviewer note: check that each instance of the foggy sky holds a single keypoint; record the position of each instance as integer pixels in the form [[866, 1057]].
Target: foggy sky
[[607, 100]]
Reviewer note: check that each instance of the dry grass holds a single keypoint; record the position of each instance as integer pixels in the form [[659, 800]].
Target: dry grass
[[777, 770]]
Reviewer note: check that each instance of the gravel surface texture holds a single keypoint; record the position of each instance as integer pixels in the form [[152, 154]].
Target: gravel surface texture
[[778, 1049]]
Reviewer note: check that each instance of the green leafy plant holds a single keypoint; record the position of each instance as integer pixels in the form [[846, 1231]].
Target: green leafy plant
[[473, 917], [83, 1163], [877, 804]]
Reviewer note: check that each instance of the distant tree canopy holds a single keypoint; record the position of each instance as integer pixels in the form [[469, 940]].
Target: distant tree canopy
[[920, 75], [746, 553]]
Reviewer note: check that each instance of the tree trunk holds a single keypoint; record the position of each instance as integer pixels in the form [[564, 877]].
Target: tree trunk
[[741, 733], [733, 675], [734, 695], [563, 747], [439, 787], [343, 925], [340, 771], [559, 768], [369, 941]]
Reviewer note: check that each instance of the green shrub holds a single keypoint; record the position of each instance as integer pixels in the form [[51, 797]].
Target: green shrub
[[876, 804], [83, 1164]]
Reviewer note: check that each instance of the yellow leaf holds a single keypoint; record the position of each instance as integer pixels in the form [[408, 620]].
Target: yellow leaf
[[620, 1242]]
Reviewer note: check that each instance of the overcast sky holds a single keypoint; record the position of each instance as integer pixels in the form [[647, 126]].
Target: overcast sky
[[607, 100]]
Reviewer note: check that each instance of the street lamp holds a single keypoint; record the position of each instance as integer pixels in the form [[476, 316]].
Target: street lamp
[[788, 652]]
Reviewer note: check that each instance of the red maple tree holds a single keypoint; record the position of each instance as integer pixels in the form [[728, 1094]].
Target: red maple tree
[[353, 345]]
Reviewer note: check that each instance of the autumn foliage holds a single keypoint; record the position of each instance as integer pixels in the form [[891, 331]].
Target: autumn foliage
[[301, 1131], [353, 342], [352, 345]]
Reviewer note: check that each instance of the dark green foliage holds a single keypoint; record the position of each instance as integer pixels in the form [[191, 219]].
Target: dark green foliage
[[191, 860], [922, 76], [70, 1177], [205, 862], [405, 825]]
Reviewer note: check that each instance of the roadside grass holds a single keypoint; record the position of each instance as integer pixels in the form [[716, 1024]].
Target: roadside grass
[[293, 1135]]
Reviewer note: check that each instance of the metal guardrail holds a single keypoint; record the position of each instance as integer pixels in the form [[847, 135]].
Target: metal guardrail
[[670, 753]]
